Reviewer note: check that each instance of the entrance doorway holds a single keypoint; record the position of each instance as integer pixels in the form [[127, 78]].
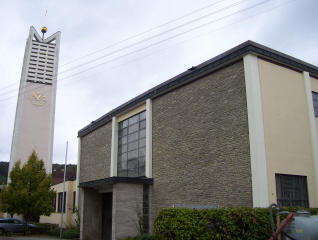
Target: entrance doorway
[[107, 216]]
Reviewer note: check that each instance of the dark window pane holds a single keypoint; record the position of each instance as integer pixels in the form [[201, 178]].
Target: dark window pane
[[142, 142], [142, 124], [133, 119], [133, 137], [315, 95], [133, 163], [315, 102], [133, 172], [122, 140], [123, 157], [132, 154], [142, 152], [125, 123], [142, 171], [133, 128], [142, 133], [142, 161], [122, 166], [124, 131], [291, 190], [133, 145], [143, 115], [122, 149], [122, 173]]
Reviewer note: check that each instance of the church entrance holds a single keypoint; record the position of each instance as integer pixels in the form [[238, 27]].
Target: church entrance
[[107, 216]]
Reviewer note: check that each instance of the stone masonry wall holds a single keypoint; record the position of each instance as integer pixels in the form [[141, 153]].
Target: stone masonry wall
[[201, 143], [92, 220], [96, 154], [127, 202]]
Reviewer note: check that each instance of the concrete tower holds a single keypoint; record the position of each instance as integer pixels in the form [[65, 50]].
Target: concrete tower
[[34, 120]]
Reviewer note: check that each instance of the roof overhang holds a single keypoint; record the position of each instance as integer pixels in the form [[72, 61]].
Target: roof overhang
[[113, 180]]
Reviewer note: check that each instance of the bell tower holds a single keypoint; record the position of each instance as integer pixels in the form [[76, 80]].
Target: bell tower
[[34, 119]]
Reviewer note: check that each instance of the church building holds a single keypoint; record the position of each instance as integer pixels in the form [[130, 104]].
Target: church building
[[237, 130]]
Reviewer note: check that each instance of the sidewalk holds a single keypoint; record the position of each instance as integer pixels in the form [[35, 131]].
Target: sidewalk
[[18, 237]]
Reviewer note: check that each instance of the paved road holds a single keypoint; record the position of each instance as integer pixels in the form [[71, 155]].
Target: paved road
[[18, 237]]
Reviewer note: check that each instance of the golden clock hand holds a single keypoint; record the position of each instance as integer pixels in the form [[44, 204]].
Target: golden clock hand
[[38, 97]]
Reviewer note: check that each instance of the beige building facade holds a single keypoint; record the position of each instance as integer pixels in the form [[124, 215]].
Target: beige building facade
[[238, 130], [67, 209]]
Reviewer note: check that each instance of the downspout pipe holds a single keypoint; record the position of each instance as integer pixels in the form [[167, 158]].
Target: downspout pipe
[[271, 215]]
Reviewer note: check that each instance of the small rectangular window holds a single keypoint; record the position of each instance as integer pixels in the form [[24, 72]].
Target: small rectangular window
[[315, 102], [291, 190]]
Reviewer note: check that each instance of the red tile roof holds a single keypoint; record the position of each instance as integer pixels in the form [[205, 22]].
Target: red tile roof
[[58, 176]]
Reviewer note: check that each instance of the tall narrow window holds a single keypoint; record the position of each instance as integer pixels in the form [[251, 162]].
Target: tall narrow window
[[315, 102], [60, 202], [74, 201], [291, 190], [132, 146], [54, 204]]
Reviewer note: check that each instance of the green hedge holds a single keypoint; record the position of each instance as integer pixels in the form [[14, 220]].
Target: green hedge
[[43, 228], [220, 223]]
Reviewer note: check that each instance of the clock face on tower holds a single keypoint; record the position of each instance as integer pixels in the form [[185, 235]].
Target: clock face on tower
[[37, 99]]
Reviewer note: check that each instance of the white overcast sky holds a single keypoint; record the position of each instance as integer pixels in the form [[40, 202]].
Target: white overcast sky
[[196, 31]]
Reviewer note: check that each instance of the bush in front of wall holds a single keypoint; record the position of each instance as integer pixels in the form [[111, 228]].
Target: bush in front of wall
[[38, 230], [141, 237], [70, 233], [54, 232], [218, 224], [42, 228]]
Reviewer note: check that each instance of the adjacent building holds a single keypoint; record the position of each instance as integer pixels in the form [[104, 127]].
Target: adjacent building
[[237, 130], [63, 204]]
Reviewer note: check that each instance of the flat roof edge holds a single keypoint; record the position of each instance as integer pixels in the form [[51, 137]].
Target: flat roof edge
[[215, 62], [112, 180]]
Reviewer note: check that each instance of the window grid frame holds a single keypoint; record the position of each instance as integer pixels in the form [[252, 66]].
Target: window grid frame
[[131, 156], [292, 190]]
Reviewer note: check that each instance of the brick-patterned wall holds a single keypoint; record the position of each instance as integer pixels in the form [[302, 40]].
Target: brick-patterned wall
[[96, 154], [92, 218], [127, 201], [201, 143]]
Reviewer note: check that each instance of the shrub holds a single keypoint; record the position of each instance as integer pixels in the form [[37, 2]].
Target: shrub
[[38, 230], [146, 237], [220, 223], [54, 232], [70, 233], [141, 237], [43, 228]]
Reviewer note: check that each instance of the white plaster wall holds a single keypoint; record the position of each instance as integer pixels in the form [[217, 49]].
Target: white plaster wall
[[314, 87], [34, 130]]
